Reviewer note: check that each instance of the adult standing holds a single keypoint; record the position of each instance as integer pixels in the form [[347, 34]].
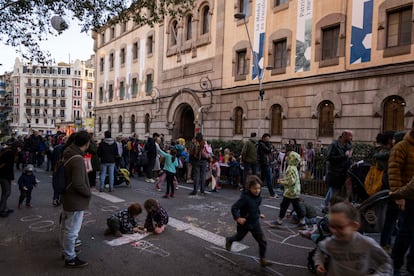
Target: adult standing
[[96, 164], [200, 162], [76, 197], [6, 176], [264, 153], [151, 152], [400, 172], [249, 157], [107, 152], [33, 145], [339, 160]]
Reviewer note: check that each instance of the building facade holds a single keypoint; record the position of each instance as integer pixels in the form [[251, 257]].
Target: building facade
[[53, 98], [297, 69], [6, 101]]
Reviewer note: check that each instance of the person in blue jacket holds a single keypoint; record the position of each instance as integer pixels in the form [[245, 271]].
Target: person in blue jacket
[[26, 183], [170, 168]]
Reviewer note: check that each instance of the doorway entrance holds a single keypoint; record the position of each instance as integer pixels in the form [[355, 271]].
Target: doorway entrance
[[184, 122]]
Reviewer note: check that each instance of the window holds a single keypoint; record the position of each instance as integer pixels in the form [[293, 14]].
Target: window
[[393, 118], [326, 119], [280, 2], [134, 87], [399, 27], [121, 90], [112, 32], [132, 123], [101, 64], [241, 65], [123, 27], [173, 34], [111, 60], [205, 27], [122, 56], [330, 42], [100, 124], [150, 42], [148, 84], [120, 126], [241, 7], [189, 27], [279, 54], [111, 92], [238, 121], [110, 124], [147, 123], [103, 38], [276, 120], [135, 50]]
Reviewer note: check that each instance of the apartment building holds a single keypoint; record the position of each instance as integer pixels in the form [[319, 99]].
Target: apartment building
[[302, 69], [53, 98], [5, 104]]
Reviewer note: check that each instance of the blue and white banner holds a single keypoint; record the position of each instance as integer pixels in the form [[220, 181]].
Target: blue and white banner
[[361, 34], [259, 38], [304, 36]]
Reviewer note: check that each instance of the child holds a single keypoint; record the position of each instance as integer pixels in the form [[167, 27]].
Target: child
[[246, 212], [123, 222], [347, 251], [292, 191], [215, 174], [155, 215], [170, 166], [26, 183], [234, 170]]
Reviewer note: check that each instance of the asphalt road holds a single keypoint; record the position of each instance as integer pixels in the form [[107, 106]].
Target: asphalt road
[[193, 243]]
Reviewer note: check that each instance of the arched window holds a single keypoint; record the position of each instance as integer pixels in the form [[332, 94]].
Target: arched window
[[173, 34], [326, 119], [132, 123], [205, 27], [393, 118], [276, 120], [238, 121], [189, 27], [100, 124], [147, 123], [110, 124], [120, 126]]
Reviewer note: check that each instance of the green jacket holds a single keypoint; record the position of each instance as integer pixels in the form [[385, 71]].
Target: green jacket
[[249, 152], [93, 149], [292, 180]]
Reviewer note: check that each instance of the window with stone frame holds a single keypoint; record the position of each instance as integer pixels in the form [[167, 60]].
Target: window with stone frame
[[240, 7], [101, 94], [134, 87], [124, 26], [241, 63], [120, 124], [132, 123], [393, 114], [276, 120], [121, 90], [103, 38], [205, 20], [326, 119], [330, 42], [101, 64], [279, 54], [122, 56], [173, 33], [280, 2], [109, 123], [399, 24], [148, 84], [135, 50], [147, 122], [189, 27], [112, 32], [111, 92], [150, 44], [111, 61], [238, 121]]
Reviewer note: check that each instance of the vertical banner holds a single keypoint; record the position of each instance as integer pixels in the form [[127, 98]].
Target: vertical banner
[[304, 36], [361, 34], [259, 38]]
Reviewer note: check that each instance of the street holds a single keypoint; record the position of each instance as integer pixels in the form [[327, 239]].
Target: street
[[193, 243]]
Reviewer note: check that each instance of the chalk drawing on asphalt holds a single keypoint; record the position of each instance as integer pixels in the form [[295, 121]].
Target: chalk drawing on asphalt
[[148, 247], [109, 208], [42, 226], [31, 218], [126, 238]]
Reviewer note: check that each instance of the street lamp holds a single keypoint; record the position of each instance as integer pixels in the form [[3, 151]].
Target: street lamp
[[242, 16]]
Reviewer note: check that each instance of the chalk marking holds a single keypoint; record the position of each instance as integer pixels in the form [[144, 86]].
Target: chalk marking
[[289, 237], [108, 197], [109, 208], [150, 248], [185, 187], [31, 218], [292, 245], [271, 206], [126, 238], [86, 222], [42, 226]]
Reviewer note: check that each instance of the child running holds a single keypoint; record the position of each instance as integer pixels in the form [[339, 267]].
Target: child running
[[26, 183], [157, 217], [246, 213], [347, 252], [170, 166], [123, 222]]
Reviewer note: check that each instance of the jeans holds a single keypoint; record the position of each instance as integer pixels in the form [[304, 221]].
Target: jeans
[[257, 234], [405, 239], [332, 192], [391, 217], [110, 168], [70, 227], [199, 167], [247, 167], [266, 175], [5, 193]]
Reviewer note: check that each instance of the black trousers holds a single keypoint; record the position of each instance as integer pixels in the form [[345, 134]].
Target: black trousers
[[114, 224], [285, 205], [257, 234], [25, 194]]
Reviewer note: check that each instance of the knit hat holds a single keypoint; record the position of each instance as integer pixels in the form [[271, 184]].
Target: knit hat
[[398, 136], [29, 168]]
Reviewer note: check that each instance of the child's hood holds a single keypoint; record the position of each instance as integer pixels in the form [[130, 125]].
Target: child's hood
[[293, 159]]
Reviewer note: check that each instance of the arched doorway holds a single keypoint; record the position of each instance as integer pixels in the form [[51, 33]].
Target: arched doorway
[[184, 122]]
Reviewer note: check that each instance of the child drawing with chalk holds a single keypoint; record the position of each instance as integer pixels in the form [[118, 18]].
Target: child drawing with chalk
[[157, 217], [123, 222]]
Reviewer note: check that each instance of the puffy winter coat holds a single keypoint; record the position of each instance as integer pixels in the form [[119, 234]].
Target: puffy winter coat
[[291, 182]]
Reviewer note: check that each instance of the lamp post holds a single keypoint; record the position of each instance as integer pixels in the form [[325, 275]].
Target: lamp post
[[242, 16]]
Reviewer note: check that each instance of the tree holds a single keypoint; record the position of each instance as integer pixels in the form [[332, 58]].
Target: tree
[[26, 23]]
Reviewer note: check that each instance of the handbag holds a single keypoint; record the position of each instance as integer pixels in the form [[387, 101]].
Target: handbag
[[87, 158]]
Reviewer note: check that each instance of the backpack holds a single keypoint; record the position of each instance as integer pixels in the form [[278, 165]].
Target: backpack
[[207, 151], [373, 180], [58, 177]]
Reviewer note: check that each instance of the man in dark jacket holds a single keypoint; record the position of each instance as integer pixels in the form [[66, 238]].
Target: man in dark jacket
[[249, 157], [7, 156], [76, 197], [151, 152], [108, 153], [264, 153]]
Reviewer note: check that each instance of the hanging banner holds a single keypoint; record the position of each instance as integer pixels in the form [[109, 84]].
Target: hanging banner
[[361, 34], [259, 39], [304, 36]]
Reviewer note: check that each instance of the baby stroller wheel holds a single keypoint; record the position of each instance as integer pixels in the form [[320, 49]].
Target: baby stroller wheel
[[128, 183]]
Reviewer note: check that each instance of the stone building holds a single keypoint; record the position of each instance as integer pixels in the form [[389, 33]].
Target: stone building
[[53, 98], [5, 104], [320, 67]]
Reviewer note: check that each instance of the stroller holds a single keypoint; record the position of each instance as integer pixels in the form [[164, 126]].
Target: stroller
[[121, 176]]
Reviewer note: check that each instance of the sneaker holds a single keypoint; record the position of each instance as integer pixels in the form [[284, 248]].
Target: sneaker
[[157, 188], [192, 193], [56, 202], [276, 223], [190, 181], [228, 244], [78, 243], [75, 263], [305, 233], [275, 196], [264, 262], [28, 205], [149, 180], [165, 196], [171, 195]]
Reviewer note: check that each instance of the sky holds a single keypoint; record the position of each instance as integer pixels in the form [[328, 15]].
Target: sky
[[71, 43]]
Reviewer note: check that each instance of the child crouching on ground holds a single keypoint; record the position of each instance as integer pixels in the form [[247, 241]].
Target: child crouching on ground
[[348, 252], [157, 217], [246, 212], [123, 222], [26, 183]]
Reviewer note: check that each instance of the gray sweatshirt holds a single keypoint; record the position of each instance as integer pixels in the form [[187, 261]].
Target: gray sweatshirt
[[355, 258]]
